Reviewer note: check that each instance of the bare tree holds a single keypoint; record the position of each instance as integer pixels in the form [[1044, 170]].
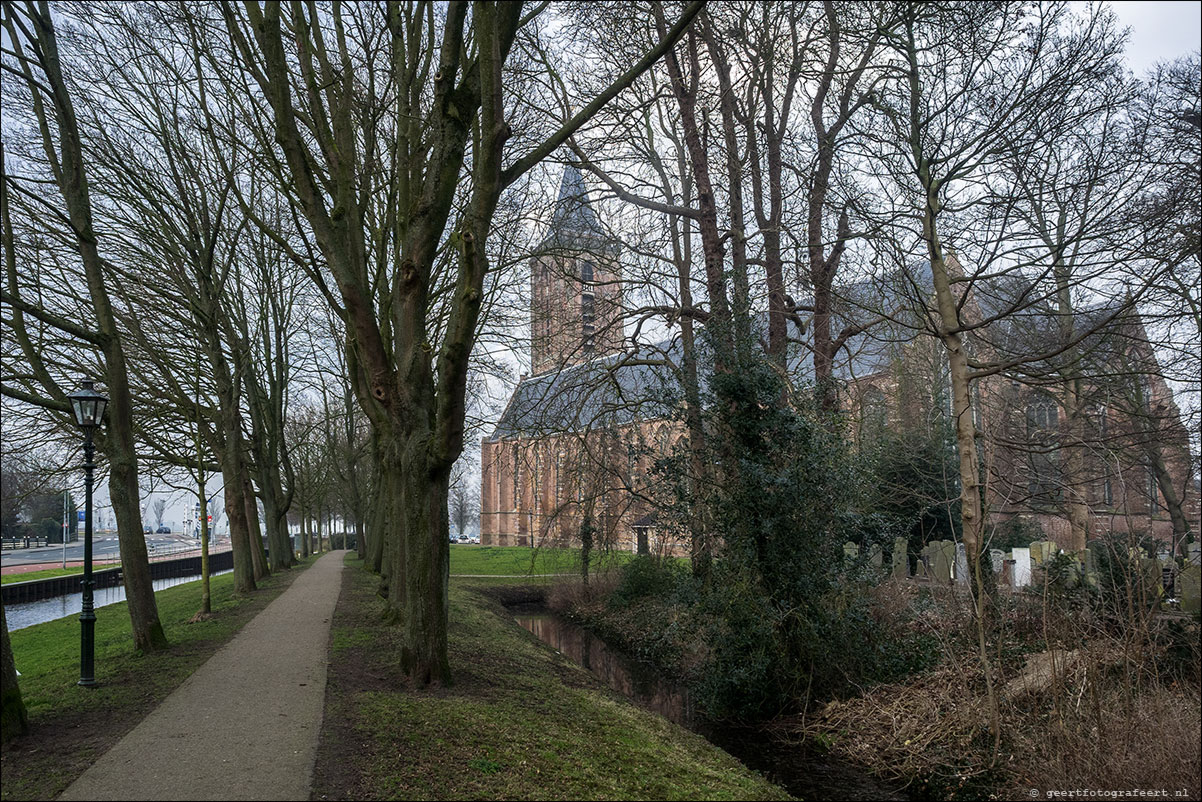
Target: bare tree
[[34, 45], [411, 390]]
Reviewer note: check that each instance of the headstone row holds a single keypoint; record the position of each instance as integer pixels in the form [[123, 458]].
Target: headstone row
[[944, 561]]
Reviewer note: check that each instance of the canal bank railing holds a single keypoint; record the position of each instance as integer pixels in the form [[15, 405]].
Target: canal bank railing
[[39, 589]]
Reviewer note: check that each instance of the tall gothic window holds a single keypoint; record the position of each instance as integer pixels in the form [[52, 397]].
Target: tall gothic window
[[1153, 492], [580, 478], [558, 478], [1043, 419], [517, 480], [535, 487], [586, 271], [632, 463], [500, 480], [1043, 424]]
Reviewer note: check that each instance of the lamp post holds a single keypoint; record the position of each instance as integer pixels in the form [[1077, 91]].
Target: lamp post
[[88, 407]]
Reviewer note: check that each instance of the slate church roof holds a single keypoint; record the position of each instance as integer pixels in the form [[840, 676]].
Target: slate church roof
[[639, 385]]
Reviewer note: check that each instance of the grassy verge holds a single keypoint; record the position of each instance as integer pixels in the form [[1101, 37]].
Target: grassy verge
[[46, 573], [520, 722], [518, 560], [72, 726]]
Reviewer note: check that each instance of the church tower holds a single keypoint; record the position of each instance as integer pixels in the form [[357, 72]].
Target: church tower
[[575, 285]]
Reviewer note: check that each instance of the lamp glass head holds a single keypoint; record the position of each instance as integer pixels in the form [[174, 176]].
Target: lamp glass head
[[88, 406]]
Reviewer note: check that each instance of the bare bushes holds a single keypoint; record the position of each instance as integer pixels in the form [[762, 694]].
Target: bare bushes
[[1085, 704]]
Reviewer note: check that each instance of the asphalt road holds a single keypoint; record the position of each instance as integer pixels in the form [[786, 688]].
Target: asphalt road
[[104, 548]]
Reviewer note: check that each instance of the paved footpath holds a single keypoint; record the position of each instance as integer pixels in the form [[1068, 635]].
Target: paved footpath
[[245, 725]]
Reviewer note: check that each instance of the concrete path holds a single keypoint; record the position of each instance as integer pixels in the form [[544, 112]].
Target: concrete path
[[245, 725]]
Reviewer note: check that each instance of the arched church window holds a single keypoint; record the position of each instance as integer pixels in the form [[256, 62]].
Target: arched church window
[[558, 478], [1043, 424], [586, 271], [1043, 418], [500, 478], [632, 463], [517, 479], [535, 487], [1153, 492]]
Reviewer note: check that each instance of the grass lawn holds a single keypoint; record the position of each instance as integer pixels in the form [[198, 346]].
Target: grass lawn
[[520, 721], [465, 559], [519, 560], [46, 573], [72, 726]]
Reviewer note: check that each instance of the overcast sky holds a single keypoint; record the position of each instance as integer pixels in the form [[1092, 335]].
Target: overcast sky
[[1159, 31]]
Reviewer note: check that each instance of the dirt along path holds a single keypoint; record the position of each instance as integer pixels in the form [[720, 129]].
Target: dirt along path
[[246, 724]]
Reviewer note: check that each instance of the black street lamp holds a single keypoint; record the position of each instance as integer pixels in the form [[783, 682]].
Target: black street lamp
[[88, 406]]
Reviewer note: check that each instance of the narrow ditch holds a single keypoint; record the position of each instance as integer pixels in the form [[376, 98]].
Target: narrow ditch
[[805, 773]]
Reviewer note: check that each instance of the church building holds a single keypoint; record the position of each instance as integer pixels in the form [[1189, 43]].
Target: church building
[[573, 450], [572, 443]]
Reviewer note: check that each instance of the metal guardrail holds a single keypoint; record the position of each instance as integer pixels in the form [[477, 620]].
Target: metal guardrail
[[13, 543]]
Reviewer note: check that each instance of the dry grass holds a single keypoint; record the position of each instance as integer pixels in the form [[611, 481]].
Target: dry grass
[[1108, 711]]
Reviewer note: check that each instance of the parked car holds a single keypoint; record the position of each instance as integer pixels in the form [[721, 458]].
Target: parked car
[[474, 539], [146, 530], [454, 539], [163, 530], [463, 538]]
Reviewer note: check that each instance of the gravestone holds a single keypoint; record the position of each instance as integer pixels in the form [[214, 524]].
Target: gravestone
[[1168, 573], [901, 560], [1035, 549], [1091, 566], [1195, 553], [1149, 571], [1042, 551], [851, 552], [945, 555], [875, 557], [1189, 589], [997, 559], [961, 564], [1022, 567], [1073, 577]]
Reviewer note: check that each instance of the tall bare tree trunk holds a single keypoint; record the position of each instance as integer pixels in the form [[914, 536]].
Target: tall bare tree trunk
[[258, 554], [14, 720], [118, 443]]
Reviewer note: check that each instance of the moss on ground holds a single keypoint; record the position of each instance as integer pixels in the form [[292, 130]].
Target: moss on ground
[[520, 722], [72, 726]]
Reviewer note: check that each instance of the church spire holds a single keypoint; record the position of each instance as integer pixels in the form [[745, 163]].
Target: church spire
[[574, 214]]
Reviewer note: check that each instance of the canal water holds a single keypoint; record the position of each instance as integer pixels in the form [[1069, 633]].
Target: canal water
[[20, 616], [799, 771]]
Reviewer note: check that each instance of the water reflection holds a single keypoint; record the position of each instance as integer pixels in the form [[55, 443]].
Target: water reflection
[[801, 772], [24, 615], [628, 677]]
